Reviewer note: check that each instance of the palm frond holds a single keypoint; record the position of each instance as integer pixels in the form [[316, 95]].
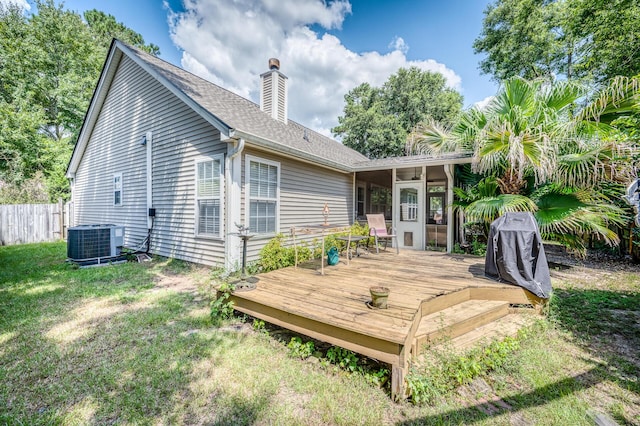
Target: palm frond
[[554, 207], [487, 209], [578, 168], [468, 127], [619, 98], [575, 217], [561, 95], [516, 91], [430, 137]]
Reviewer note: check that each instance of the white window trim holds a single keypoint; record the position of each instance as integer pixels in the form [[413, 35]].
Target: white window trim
[[220, 158], [113, 193], [247, 192]]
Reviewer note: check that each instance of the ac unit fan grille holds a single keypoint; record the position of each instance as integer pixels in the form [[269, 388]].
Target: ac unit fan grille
[[89, 243]]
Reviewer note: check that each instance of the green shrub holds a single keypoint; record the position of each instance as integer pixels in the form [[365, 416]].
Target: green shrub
[[274, 255], [260, 326], [478, 247], [344, 358], [300, 349], [457, 249], [221, 306]]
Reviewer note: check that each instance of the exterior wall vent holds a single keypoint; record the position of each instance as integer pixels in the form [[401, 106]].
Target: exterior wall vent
[[273, 92], [94, 244]]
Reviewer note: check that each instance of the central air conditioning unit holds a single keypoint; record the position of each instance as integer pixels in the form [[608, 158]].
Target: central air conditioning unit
[[95, 243]]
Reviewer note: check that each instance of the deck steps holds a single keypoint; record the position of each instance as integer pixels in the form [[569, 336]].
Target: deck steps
[[457, 320], [507, 326]]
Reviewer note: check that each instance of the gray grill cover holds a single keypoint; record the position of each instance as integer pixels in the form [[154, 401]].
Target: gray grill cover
[[515, 253]]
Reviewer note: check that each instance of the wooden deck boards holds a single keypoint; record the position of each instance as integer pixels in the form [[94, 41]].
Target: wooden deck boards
[[340, 297], [333, 307]]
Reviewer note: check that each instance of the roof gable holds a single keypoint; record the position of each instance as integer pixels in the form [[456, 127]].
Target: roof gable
[[234, 116]]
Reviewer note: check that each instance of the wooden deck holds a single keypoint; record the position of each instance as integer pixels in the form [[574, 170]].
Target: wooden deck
[[424, 286]]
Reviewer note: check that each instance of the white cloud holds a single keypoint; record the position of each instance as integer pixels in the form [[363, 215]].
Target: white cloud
[[22, 3], [483, 103], [398, 43], [230, 41]]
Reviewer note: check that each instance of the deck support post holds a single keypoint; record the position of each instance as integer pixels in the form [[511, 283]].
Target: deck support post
[[398, 388]]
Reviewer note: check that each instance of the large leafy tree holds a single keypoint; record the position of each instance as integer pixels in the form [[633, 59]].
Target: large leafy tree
[[581, 39], [522, 37], [49, 64], [376, 120], [104, 27], [540, 150]]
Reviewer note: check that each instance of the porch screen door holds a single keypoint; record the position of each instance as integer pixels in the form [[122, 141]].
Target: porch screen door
[[409, 214]]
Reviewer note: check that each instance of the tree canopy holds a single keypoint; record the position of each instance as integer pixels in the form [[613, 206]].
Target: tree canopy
[[593, 40], [49, 65], [376, 120]]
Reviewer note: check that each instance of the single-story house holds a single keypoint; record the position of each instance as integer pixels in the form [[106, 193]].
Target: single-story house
[[178, 159]]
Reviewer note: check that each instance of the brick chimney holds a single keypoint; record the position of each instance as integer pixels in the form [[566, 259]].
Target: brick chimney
[[273, 92]]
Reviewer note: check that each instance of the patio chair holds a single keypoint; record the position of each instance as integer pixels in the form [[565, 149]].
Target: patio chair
[[378, 229]]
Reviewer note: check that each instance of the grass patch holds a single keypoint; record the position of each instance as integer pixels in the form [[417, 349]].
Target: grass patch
[[131, 344], [135, 344]]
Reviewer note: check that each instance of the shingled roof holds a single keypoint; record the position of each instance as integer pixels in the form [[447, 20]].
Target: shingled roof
[[244, 117], [237, 117]]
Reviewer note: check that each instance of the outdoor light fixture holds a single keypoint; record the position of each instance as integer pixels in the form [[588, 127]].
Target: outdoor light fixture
[[143, 140]]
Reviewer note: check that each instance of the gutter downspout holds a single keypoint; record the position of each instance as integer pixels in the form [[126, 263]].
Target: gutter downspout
[[72, 187], [149, 139], [448, 170], [233, 189]]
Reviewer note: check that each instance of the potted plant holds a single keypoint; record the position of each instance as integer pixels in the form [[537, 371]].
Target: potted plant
[[379, 297]]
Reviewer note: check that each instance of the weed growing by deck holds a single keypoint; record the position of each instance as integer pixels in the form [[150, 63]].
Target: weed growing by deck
[[444, 370], [221, 306]]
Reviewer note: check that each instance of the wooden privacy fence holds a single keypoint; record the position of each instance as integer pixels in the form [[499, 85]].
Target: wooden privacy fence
[[33, 223]]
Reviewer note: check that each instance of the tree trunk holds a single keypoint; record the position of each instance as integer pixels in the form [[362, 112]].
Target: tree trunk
[[511, 183]]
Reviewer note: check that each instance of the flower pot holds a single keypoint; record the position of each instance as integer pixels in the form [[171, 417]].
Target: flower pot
[[379, 297]]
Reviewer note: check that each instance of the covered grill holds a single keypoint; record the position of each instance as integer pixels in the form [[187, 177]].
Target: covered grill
[[515, 253]]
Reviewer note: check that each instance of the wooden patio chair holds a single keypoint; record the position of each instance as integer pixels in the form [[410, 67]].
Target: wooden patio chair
[[378, 229]]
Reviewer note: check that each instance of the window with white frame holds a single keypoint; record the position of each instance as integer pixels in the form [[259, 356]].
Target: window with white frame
[[263, 195], [117, 189], [209, 180]]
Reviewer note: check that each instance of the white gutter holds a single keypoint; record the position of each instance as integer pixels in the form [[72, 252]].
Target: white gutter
[[408, 162], [237, 148], [261, 142]]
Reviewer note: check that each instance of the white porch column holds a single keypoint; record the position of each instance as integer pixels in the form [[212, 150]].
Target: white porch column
[[449, 170], [395, 203]]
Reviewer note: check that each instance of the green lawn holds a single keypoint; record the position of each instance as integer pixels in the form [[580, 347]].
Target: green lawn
[[133, 344]]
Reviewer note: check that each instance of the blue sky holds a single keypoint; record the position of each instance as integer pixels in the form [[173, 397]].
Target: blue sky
[[325, 48]]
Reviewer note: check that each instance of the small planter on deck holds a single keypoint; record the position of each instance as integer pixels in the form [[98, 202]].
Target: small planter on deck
[[379, 297]]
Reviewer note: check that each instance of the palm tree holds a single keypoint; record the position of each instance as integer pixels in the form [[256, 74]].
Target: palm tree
[[534, 142]]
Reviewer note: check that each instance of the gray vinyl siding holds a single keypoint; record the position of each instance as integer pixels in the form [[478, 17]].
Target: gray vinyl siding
[[137, 103], [304, 189]]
